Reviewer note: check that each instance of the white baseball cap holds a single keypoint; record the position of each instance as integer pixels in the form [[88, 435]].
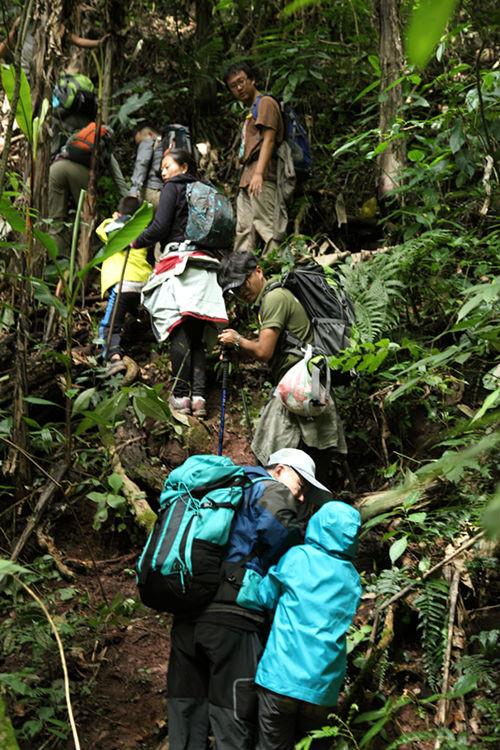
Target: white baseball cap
[[303, 464]]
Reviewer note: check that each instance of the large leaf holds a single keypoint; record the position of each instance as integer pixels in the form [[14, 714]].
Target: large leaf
[[14, 217], [9, 567], [296, 5], [82, 401], [122, 237], [45, 297], [397, 548], [479, 294], [131, 105], [17, 221], [426, 27], [491, 516], [24, 110], [37, 125]]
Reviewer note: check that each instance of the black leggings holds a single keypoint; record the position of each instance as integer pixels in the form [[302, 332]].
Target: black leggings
[[128, 303], [187, 354], [283, 721]]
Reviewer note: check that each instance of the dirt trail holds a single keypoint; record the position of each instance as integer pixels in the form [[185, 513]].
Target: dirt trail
[[124, 706]]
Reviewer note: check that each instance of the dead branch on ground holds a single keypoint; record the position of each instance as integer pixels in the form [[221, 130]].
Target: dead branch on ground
[[46, 495]]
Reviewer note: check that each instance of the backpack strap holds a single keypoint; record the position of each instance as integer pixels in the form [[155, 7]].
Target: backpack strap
[[316, 371], [293, 345], [176, 519], [156, 142], [254, 154], [269, 288]]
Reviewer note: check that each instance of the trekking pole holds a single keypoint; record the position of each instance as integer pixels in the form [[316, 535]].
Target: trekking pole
[[223, 397]]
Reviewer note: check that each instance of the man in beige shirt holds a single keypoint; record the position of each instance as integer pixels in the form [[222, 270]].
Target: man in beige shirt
[[258, 220]]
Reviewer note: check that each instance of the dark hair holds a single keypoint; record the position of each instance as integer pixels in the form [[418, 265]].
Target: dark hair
[[128, 205], [181, 156], [234, 269], [241, 67]]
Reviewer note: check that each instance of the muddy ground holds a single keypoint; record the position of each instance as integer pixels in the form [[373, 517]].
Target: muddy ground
[[124, 702]]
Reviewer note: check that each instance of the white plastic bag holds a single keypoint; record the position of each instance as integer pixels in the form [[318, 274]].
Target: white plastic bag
[[300, 389]]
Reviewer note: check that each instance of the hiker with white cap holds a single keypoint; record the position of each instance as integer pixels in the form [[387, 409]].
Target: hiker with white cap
[[282, 318], [214, 656]]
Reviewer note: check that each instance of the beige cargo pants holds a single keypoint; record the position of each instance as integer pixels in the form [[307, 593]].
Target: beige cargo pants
[[257, 219]]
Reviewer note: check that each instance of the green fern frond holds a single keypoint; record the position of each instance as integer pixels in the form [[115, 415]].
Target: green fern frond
[[432, 605], [377, 287], [389, 582], [445, 736], [382, 667]]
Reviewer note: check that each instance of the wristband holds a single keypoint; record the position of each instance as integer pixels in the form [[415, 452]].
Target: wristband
[[236, 344]]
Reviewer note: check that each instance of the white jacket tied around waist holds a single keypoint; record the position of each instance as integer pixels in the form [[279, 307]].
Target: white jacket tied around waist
[[184, 284]]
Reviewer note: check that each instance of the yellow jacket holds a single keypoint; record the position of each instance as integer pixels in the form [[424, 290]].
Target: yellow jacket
[[137, 268]]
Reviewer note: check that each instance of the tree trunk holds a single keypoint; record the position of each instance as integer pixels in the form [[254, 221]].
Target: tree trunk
[[392, 160], [115, 19], [47, 58]]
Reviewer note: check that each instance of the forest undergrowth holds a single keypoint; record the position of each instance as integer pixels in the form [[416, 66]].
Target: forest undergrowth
[[83, 456]]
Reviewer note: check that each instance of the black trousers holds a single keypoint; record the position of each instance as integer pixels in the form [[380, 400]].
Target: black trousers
[[210, 684], [187, 354], [128, 303], [283, 721]]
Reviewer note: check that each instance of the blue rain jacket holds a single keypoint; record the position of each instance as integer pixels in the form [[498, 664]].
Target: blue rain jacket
[[315, 589]]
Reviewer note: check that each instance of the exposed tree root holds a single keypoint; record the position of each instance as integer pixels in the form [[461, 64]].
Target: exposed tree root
[[369, 665], [136, 498], [132, 373], [46, 543]]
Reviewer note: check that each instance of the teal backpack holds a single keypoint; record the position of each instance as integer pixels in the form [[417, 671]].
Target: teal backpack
[[178, 570], [211, 222]]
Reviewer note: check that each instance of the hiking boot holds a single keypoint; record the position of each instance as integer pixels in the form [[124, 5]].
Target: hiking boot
[[198, 406], [182, 404]]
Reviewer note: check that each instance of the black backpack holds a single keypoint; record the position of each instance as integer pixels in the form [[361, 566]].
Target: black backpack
[[74, 94], [329, 309], [177, 136]]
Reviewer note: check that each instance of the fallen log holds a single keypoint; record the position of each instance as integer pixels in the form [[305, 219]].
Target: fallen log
[[328, 259], [374, 503], [131, 442]]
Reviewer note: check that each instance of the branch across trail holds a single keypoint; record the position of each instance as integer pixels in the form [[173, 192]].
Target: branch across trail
[[328, 259], [400, 594]]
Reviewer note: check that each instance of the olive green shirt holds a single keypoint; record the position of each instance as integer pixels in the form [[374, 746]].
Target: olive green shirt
[[280, 309]]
